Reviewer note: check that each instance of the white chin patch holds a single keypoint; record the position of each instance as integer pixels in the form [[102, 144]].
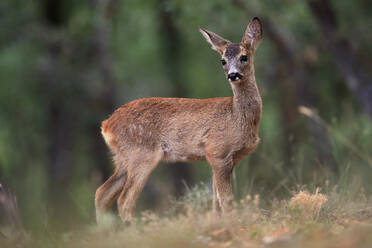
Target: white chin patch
[[235, 79]]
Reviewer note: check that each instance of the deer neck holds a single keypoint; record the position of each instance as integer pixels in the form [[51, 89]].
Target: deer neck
[[246, 97]]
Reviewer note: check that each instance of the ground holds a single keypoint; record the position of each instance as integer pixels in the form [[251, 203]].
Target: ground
[[323, 217]]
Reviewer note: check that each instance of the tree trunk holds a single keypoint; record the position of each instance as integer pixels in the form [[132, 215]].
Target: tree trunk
[[9, 212], [354, 74], [61, 122], [104, 104]]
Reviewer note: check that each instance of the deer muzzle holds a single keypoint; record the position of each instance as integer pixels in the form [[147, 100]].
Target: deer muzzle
[[234, 76]]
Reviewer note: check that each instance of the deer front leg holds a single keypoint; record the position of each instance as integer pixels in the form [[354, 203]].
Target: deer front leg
[[221, 169], [216, 205]]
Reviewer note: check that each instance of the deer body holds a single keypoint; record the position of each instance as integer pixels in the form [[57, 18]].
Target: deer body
[[222, 130]]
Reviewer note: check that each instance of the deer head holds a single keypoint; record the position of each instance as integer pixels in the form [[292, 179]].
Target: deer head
[[237, 58]]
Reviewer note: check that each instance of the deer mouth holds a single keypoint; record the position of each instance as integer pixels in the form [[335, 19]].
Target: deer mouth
[[234, 77]]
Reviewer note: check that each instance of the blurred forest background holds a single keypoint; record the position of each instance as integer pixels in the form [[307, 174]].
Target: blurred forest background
[[65, 65]]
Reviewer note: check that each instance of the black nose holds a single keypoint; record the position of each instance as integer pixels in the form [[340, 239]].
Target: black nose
[[235, 76]]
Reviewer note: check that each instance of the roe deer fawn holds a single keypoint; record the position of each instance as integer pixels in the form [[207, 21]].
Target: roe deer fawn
[[222, 130]]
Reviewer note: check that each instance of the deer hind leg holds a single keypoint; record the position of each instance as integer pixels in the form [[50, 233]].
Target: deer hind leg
[[107, 192], [139, 171], [221, 169]]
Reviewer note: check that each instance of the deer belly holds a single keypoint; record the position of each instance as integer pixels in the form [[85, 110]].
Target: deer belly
[[174, 152]]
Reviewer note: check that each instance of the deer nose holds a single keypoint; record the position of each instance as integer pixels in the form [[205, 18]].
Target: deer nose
[[234, 76]]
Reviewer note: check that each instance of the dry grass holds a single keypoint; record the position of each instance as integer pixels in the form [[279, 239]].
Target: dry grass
[[307, 205], [334, 218]]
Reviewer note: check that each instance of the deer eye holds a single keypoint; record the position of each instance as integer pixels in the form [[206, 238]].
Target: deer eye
[[243, 58], [223, 62]]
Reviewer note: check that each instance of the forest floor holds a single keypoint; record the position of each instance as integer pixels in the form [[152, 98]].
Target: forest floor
[[329, 217]]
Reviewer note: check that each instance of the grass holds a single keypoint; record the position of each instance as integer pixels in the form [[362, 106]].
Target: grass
[[331, 216]]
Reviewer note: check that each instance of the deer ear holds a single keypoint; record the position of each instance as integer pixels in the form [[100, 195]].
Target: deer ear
[[218, 43], [253, 33]]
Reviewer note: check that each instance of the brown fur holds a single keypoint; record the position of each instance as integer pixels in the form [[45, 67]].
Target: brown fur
[[146, 131]]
